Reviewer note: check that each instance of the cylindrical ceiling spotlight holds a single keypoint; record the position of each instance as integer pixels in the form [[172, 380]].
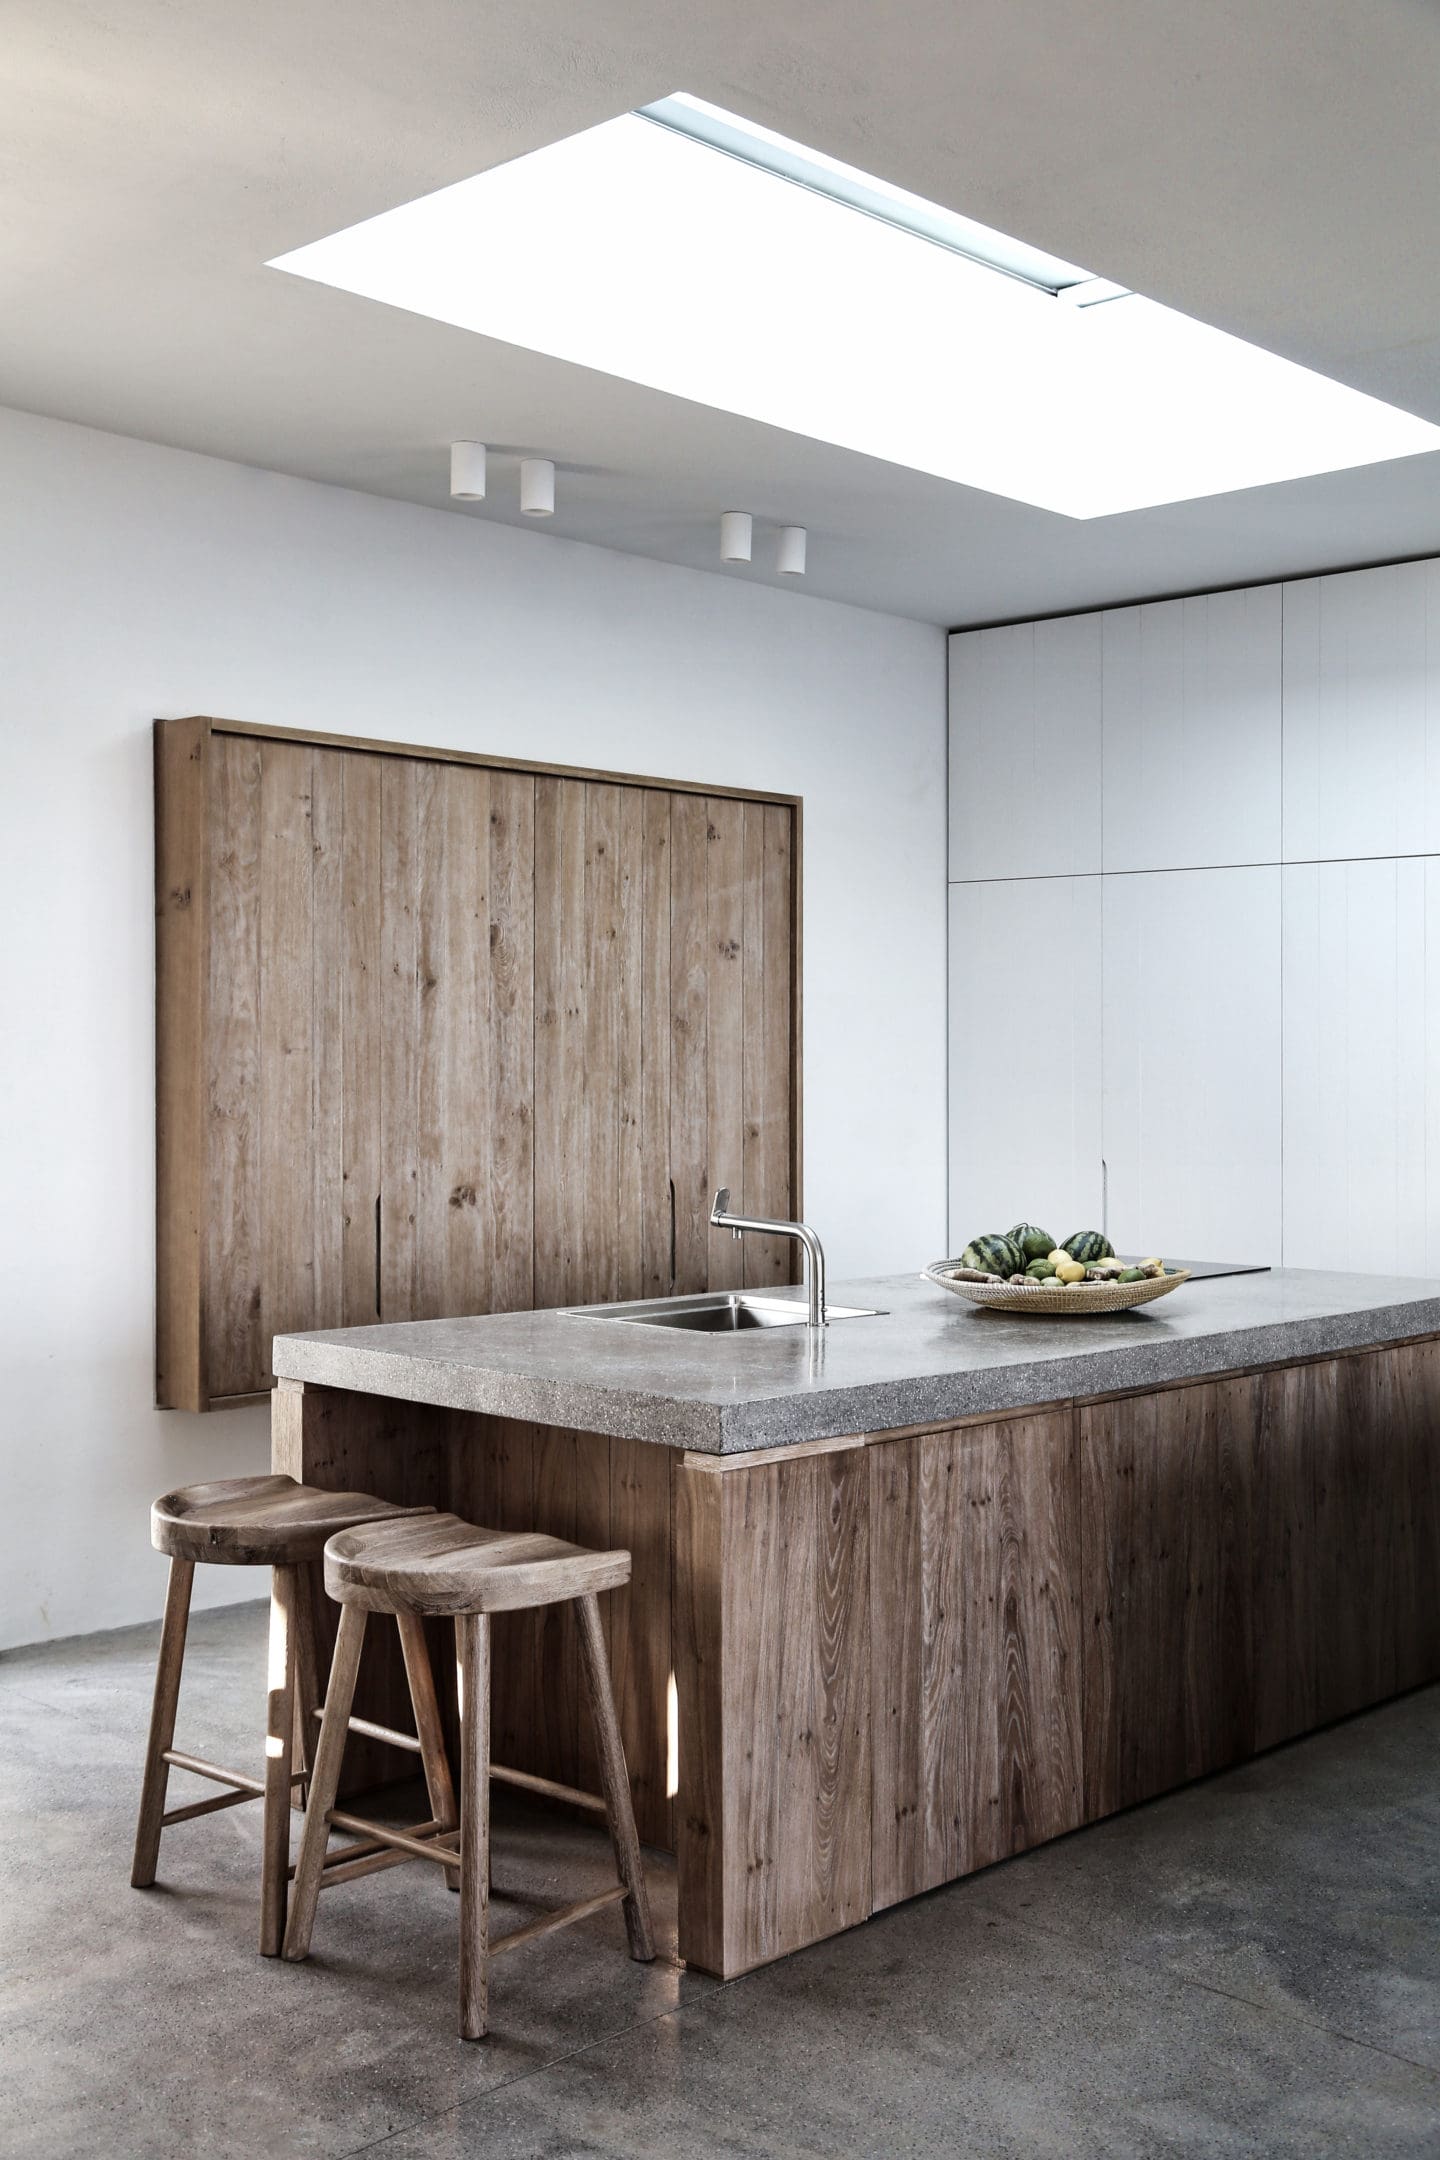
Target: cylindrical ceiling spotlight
[[537, 487], [736, 533], [790, 554], [467, 471]]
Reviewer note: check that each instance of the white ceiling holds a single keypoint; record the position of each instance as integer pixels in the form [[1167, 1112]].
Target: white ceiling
[[1270, 169]]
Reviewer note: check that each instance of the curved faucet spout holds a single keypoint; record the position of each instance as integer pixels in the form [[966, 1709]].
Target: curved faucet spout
[[722, 1219]]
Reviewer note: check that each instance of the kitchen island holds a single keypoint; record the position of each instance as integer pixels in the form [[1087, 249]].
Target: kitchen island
[[929, 1587]]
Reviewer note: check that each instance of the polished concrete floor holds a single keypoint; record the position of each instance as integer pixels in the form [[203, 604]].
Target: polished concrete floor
[[1248, 1967]]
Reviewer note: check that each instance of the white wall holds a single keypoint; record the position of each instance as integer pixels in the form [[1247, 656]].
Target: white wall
[[1195, 865], [137, 582]]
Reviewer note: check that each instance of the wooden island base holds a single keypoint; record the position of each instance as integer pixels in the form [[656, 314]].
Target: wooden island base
[[852, 1670]]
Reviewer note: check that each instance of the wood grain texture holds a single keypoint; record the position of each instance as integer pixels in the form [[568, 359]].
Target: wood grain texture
[[234, 1356], [182, 749], [1165, 1538], [773, 1568], [460, 1039], [285, 1104], [975, 1620], [522, 766]]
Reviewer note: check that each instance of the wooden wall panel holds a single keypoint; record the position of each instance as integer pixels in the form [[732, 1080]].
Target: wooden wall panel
[[461, 1039], [975, 1617]]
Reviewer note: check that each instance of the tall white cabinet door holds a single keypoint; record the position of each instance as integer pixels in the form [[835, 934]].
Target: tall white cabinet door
[[1362, 713], [1191, 1115], [1362, 1081], [1192, 731], [1025, 750], [1024, 1056]]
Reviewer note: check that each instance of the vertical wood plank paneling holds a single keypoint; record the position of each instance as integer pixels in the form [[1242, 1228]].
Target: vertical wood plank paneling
[[1165, 1529], [328, 1189], [1038, 1526], [235, 1359], [402, 1153], [286, 1053], [725, 1067], [703, 1828], [632, 1169], [508, 1177], [399, 1039], [560, 1091], [601, 1100], [362, 1012], [897, 1653], [975, 1616], [453, 1080], [690, 1042], [657, 1258], [1284, 1574], [768, 1054], [797, 1704], [182, 939]]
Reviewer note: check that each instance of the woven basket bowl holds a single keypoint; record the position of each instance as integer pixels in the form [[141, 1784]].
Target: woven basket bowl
[[1084, 1298]]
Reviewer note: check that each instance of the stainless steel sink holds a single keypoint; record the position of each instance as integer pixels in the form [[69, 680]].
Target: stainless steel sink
[[716, 1312]]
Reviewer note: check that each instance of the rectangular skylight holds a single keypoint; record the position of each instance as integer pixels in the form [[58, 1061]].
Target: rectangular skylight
[[690, 251]]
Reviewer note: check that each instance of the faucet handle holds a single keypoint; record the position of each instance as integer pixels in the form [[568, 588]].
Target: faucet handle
[[720, 1204]]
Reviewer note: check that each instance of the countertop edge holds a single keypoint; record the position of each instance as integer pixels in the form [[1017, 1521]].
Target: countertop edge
[[645, 1413]]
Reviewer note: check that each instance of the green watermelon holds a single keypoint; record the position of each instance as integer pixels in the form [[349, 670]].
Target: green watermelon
[[1088, 1245], [993, 1256], [1034, 1244]]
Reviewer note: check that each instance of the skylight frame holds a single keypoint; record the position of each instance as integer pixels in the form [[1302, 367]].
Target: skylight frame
[[644, 251]]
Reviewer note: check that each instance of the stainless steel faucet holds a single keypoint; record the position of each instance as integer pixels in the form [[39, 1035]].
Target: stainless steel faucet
[[722, 1219]]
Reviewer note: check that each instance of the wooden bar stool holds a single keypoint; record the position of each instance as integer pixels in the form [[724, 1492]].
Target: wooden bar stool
[[276, 1523], [439, 1565]]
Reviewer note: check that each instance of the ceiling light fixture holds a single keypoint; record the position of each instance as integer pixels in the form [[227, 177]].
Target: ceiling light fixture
[[737, 532], [537, 487], [467, 471], [790, 551], [650, 246]]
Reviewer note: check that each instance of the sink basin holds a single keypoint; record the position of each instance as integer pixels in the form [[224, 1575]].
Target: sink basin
[[716, 1312]]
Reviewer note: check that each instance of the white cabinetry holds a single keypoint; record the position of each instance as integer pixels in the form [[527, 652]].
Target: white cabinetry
[[1192, 731], [1362, 714], [1025, 750], [1191, 1110], [1024, 1056], [1362, 1066]]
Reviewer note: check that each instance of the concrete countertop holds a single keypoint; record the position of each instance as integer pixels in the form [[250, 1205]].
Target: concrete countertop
[[928, 1358]]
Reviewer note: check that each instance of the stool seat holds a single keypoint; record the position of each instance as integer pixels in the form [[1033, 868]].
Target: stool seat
[[259, 1521], [442, 1565]]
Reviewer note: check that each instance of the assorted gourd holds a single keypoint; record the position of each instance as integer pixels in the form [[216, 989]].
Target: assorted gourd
[[1029, 1256]]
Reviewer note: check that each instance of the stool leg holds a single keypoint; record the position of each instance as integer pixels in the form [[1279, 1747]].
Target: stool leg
[[285, 1593], [162, 1723], [615, 1780], [472, 1632], [307, 1681], [325, 1781], [428, 1728]]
